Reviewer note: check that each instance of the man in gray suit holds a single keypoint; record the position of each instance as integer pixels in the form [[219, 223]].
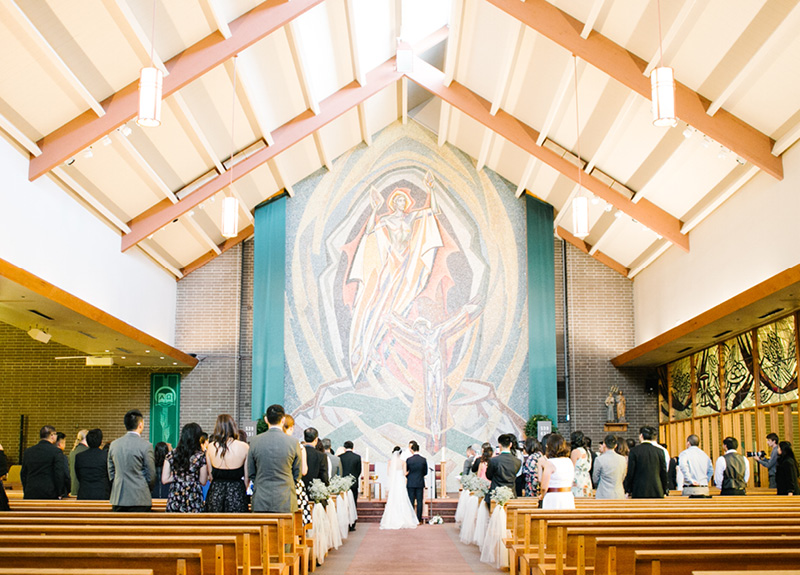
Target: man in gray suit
[[334, 463], [131, 467], [609, 471], [468, 461], [274, 466]]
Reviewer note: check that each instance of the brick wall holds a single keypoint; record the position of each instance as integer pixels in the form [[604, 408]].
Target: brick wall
[[600, 311], [65, 393]]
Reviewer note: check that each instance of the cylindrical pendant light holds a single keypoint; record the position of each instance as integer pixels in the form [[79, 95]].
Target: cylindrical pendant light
[[580, 216], [150, 83], [230, 217], [662, 84]]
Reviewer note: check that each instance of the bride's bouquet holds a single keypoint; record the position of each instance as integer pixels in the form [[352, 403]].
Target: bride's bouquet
[[318, 491], [502, 495]]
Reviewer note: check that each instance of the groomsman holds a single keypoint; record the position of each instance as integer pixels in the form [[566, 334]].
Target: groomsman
[[647, 468], [131, 467], [351, 465], [468, 461], [45, 471], [502, 469], [273, 464]]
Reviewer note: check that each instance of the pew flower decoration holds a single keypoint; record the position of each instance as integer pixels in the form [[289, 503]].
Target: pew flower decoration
[[339, 484], [318, 491], [481, 487], [468, 481], [502, 495], [436, 520]]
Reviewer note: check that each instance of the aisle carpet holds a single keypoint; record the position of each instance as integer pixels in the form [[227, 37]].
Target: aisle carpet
[[426, 549]]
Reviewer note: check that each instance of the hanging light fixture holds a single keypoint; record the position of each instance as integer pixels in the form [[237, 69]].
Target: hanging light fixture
[[580, 203], [150, 86], [230, 205], [662, 86]]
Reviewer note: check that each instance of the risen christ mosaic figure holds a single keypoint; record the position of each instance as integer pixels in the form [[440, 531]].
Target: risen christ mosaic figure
[[392, 264]]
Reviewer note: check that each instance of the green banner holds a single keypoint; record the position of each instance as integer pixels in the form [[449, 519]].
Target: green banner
[[165, 408]]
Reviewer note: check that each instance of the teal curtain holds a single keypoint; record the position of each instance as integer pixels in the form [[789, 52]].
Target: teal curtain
[[165, 407], [542, 398], [269, 285]]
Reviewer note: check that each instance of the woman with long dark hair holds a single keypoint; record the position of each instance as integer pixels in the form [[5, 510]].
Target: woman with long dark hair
[[530, 469], [226, 457], [480, 464], [557, 475], [582, 484], [786, 472], [185, 470], [160, 451]]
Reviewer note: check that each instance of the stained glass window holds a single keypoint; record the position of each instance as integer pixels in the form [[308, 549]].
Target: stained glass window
[[681, 381], [706, 365], [777, 358], [737, 364]]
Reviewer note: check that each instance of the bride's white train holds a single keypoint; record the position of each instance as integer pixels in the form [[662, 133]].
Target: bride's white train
[[398, 513]]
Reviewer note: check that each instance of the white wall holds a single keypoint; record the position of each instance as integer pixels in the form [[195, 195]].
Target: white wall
[[750, 238], [44, 231]]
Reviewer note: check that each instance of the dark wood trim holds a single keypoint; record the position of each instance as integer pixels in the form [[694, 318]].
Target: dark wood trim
[[61, 297]]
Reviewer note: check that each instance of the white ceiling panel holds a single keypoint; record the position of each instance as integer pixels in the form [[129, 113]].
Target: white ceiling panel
[[299, 161], [375, 35], [341, 134], [507, 159], [627, 240], [466, 133], [179, 243], [381, 109], [178, 24]]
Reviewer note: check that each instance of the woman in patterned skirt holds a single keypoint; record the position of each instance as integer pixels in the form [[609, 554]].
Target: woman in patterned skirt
[[302, 497], [185, 471], [227, 457]]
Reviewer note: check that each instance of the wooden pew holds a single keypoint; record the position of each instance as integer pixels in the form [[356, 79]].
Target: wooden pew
[[161, 561], [64, 571], [615, 555], [248, 539], [219, 553], [685, 561]]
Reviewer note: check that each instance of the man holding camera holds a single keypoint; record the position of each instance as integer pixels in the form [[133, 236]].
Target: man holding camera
[[772, 463]]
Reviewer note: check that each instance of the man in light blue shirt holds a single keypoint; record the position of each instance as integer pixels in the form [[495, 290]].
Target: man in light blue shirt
[[696, 468]]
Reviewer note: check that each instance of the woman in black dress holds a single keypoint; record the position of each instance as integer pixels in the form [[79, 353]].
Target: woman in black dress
[[91, 469], [160, 491], [226, 457], [786, 472], [185, 470]]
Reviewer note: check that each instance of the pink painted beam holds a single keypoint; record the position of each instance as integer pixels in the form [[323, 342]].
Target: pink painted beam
[[525, 137], [184, 68], [628, 69], [285, 137]]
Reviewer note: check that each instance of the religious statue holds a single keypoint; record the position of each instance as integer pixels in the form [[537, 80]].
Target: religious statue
[[610, 411], [621, 406]]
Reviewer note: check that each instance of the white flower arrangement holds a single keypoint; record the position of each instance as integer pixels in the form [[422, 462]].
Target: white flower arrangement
[[436, 520], [481, 487], [339, 484], [502, 495], [318, 491]]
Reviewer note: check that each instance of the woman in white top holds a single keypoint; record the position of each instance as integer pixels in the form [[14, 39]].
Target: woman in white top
[[398, 513], [557, 475]]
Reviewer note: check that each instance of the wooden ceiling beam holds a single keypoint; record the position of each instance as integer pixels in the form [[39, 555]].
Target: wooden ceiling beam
[[586, 248], [627, 68], [588, 26], [243, 235], [184, 68], [525, 137], [285, 137]]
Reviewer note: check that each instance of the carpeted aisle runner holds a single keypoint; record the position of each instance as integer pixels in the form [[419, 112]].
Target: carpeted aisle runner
[[426, 549]]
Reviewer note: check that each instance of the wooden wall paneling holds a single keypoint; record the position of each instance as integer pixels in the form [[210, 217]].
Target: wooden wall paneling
[[788, 421], [756, 368], [673, 436], [716, 445], [727, 424], [774, 423], [705, 433], [693, 384], [748, 444], [797, 355]]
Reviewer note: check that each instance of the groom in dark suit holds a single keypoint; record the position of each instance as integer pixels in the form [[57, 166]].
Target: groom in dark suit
[[416, 470]]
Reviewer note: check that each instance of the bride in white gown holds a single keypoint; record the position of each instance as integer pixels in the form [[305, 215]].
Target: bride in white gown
[[398, 513]]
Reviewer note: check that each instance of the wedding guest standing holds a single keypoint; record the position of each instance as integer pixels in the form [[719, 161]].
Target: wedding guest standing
[[479, 465], [530, 469], [45, 469], [274, 465], [334, 463], [786, 470], [316, 460], [80, 446], [91, 469], [558, 474], [186, 471], [131, 467], [160, 451], [609, 471], [646, 477], [582, 482], [502, 470], [731, 471], [696, 468], [771, 463], [351, 465], [226, 458], [3, 472], [468, 461], [303, 502]]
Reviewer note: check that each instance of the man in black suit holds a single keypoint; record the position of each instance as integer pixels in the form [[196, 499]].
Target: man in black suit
[[45, 470], [316, 460], [351, 465], [647, 468], [502, 469], [416, 470]]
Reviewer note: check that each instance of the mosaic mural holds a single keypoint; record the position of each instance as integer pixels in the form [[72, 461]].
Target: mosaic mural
[[680, 378], [707, 396], [406, 305], [737, 362]]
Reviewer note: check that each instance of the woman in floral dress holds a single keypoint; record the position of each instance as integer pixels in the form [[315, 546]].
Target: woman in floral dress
[[185, 470], [530, 469], [582, 483]]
